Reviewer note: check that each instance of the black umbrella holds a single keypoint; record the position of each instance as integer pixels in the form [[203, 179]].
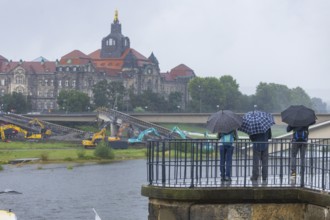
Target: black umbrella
[[298, 115], [223, 121]]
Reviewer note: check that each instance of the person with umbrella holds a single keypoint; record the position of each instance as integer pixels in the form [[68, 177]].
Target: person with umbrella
[[226, 141], [298, 118], [257, 125], [225, 123]]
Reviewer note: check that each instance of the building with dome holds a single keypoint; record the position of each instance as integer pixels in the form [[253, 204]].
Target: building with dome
[[43, 80]]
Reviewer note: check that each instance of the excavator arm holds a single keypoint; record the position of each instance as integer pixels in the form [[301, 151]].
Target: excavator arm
[[97, 137]]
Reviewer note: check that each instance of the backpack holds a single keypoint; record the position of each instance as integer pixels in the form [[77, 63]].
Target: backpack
[[300, 136], [227, 139]]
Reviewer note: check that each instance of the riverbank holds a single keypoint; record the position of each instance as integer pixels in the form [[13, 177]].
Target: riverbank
[[60, 152]]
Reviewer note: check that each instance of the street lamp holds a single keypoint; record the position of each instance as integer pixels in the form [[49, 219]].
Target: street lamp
[[146, 108], [200, 98], [218, 106], [179, 108]]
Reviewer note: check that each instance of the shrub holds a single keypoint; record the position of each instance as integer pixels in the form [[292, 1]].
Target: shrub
[[103, 151], [81, 153], [44, 156], [1, 167]]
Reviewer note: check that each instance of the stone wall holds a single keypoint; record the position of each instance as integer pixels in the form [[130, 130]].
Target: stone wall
[[242, 204]]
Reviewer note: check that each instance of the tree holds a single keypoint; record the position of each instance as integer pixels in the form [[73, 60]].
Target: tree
[[109, 94], [231, 94], [319, 106], [73, 101], [15, 102]]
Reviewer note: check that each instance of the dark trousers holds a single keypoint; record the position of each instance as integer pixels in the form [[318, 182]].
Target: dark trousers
[[260, 153], [301, 147]]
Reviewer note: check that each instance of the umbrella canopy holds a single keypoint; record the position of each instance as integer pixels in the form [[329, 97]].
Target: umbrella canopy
[[298, 115], [223, 121], [255, 122]]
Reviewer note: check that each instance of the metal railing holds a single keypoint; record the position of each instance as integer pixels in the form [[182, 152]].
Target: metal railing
[[196, 163]]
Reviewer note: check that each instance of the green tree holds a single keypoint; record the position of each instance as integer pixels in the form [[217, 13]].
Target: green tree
[[15, 102], [319, 106], [230, 93], [174, 102], [73, 101], [109, 94], [149, 101]]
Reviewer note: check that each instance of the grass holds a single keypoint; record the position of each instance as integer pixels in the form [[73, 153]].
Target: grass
[[57, 152]]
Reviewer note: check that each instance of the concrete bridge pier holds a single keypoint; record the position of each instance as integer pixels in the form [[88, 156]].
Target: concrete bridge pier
[[258, 203]]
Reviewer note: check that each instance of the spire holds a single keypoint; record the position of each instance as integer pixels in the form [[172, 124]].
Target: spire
[[116, 20]]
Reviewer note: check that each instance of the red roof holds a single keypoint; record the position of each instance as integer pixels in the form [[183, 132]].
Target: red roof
[[180, 71], [34, 67], [75, 57], [2, 58], [96, 54]]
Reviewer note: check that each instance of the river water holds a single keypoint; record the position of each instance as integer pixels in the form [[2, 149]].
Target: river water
[[56, 192]]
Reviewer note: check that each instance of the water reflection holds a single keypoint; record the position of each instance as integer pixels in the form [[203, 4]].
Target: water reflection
[[55, 192]]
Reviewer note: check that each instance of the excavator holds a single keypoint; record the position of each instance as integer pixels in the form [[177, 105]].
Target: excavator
[[27, 135], [178, 131], [96, 138], [139, 138], [101, 135], [118, 135], [43, 130]]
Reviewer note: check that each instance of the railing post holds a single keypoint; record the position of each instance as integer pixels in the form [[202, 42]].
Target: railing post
[[192, 165], [163, 164], [149, 163]]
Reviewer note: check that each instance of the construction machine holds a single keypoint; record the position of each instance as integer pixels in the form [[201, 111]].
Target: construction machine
[[119, 133], [27, 135], [140, 137], [96, 138], [178, 131], [43, 130]]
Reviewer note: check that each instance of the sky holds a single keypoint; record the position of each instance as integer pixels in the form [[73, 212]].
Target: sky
[[285, 42]]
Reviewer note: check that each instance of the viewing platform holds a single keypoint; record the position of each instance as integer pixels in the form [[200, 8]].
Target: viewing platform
[[185, 183]]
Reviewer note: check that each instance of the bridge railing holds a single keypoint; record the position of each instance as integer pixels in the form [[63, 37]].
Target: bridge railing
[[196, 163]]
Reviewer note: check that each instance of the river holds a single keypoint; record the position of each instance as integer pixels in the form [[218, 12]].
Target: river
[[56, 192]]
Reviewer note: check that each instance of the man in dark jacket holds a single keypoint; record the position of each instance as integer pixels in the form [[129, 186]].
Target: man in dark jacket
[[260, 152], [299, 143]]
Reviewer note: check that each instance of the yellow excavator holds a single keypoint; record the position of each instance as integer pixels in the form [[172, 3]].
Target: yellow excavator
[[101, 135], [27, 135], [43, 130], [96, 138], [117, 137]]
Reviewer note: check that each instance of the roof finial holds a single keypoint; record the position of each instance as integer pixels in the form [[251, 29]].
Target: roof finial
[[116, 17]]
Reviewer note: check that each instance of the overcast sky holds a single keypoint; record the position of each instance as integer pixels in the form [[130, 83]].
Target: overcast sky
[[274, 41]]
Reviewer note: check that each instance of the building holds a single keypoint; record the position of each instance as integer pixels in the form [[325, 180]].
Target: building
[[43, 80]]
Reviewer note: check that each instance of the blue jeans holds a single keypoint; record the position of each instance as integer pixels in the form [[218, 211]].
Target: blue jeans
[[226, 154]]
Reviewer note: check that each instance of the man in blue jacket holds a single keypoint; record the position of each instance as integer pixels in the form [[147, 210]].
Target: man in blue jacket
[[299, 143]]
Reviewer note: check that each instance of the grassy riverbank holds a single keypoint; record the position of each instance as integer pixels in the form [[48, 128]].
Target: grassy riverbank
[[57, 152]]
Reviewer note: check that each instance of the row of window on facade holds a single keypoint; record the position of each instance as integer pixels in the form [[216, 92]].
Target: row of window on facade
[[75, 69]]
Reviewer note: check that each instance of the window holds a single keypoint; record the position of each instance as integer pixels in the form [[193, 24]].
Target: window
[[74, 83], [2, 82], [46, 82], [66, 83], [51, 82], [60, 83], [19, 79]]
